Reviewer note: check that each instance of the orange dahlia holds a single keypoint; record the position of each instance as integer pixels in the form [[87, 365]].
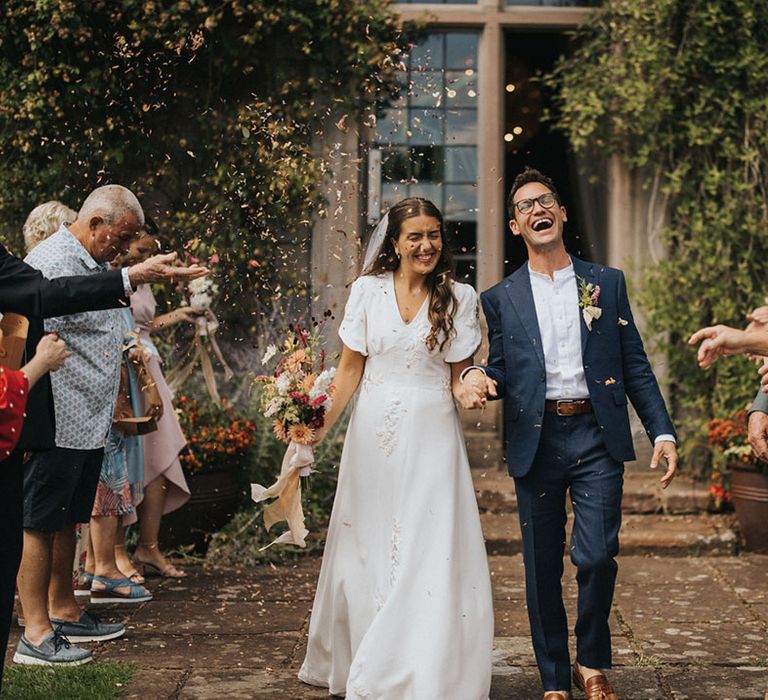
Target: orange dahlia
[[301, 433]]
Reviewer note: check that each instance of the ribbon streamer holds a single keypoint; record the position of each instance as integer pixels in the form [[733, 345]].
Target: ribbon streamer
[[205, 327], [287, 490]]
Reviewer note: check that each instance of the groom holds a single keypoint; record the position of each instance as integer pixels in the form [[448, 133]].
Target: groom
[[564, 355]]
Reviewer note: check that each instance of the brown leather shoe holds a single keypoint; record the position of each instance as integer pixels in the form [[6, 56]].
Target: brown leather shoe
[[557, 695], [596, 688]]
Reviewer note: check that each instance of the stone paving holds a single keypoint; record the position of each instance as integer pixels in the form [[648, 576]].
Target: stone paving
[[690, 621]]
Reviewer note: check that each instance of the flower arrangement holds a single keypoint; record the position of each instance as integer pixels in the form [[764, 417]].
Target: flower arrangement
[[202, 292], [298, 394], [217, 436], [589, 295], [727, 437]]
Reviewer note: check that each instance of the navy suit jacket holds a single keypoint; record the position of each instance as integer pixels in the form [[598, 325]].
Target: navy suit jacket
[[24, 290], [615, 365]]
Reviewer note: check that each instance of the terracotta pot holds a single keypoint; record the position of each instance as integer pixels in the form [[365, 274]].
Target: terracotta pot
[[212, 504], [749, 491]]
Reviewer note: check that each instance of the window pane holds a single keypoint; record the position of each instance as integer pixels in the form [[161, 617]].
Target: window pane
[[431, 192], [461, 50], [426, 126], [461, 88], [428, 163], [390, 126], [428, 53], [426, 89], [461, 164], [396, 164], [392, 193], [461, 126], [460, 203]]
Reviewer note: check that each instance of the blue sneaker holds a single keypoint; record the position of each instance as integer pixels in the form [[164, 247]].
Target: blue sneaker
[[89, 629], [54, 650]]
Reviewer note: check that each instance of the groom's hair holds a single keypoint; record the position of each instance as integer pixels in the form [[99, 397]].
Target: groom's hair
[[525, 177]]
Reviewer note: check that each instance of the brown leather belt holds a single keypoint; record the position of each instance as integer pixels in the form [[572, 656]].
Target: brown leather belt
[[568, 407]]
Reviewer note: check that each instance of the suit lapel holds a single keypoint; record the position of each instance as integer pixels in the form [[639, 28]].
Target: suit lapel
[[518, 287], [588, 272]]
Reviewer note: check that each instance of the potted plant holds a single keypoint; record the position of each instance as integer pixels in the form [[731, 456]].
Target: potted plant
[[219, 441], [740, 478]]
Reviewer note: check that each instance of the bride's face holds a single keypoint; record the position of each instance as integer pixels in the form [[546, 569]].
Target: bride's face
[[419, 244]]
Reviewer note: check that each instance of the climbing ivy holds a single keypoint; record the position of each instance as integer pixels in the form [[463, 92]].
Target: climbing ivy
[[679, 88]]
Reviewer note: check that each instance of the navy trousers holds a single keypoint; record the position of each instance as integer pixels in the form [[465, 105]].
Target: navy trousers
[[571, 456]]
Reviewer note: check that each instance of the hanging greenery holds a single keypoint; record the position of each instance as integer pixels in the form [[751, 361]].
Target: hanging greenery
[[679, 89], [210, 112]]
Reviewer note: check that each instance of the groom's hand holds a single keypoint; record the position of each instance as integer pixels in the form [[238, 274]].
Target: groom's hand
[[665, 449], [474, 390]]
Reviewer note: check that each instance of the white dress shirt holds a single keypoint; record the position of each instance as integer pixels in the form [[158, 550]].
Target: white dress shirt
[[557, 311]]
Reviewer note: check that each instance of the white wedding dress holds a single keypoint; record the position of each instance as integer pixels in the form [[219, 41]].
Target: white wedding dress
[[403, 606]]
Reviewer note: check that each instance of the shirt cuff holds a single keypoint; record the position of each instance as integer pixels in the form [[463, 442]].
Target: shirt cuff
[[469, 369], [127, 287], [665, 437]]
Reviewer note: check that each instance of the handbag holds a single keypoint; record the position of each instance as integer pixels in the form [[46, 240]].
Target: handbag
[[13, 339], [124, 419]]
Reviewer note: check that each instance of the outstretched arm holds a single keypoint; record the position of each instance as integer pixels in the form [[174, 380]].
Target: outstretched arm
[[345, 383], [724, 340]]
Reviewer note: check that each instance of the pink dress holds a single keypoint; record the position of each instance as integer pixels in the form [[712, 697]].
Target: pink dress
[[161, 447]]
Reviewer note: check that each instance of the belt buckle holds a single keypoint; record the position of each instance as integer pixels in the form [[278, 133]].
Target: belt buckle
[[564, 402]]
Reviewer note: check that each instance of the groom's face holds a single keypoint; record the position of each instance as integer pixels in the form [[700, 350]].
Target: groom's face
[[541, 227]]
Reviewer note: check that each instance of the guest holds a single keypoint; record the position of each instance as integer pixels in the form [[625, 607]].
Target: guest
[[165, 488], [753, 340], [44, 220], [24, 290], [114, 500]]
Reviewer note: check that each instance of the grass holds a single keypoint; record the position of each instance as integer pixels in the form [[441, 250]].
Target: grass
[[94, 681]]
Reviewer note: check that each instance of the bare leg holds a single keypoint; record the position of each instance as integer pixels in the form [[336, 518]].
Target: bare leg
[[150, 515], [33, 580], [61, 598], [122, 559], [90, 560]]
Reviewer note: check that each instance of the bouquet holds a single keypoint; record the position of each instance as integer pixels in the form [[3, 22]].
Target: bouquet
[[297, 396]]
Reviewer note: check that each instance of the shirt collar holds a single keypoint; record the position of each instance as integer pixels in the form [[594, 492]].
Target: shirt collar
[[559, 276], [79, 250]]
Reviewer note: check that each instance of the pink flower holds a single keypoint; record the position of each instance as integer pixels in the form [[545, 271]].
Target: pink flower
[[596, 295]]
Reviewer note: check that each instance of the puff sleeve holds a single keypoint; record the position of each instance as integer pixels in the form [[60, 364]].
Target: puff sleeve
[[466, 323], [353, 328]]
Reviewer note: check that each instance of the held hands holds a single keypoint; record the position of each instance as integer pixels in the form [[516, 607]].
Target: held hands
[[667, 450], [160, 268], [474, 391]]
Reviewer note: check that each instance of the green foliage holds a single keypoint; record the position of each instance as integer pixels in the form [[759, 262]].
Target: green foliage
[[679, 88], [208, 111], [100, 681]]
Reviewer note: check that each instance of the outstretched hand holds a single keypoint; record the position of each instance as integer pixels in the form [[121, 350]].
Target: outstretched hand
[[667, 450], [757, 434], [715, 341], [161, 268]]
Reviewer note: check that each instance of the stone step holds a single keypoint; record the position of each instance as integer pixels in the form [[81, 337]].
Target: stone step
[[666, 535], [642, 493]]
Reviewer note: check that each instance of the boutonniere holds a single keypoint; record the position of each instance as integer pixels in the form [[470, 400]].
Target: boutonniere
[[589, 296]]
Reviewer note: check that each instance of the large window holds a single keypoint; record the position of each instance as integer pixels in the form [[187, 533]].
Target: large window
[[426, 142]]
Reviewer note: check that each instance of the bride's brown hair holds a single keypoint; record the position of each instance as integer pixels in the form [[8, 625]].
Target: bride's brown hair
[[442, 300]]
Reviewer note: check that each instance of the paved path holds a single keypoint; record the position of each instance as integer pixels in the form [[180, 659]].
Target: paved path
[[690, 619]]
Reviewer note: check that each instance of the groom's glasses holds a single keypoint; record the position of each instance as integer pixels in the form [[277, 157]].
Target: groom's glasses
[[547, 200]]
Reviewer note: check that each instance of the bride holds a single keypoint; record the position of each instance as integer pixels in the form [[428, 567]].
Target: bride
[[403, 605]]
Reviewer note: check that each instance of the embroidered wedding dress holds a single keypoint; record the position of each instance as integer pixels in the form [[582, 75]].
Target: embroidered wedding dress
[[403, 606]]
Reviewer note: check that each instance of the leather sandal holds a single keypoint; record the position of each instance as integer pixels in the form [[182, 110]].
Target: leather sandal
[[596, 688], [149, 569]]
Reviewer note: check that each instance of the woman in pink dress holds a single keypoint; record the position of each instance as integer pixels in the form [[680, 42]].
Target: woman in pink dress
[[165, 488]]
